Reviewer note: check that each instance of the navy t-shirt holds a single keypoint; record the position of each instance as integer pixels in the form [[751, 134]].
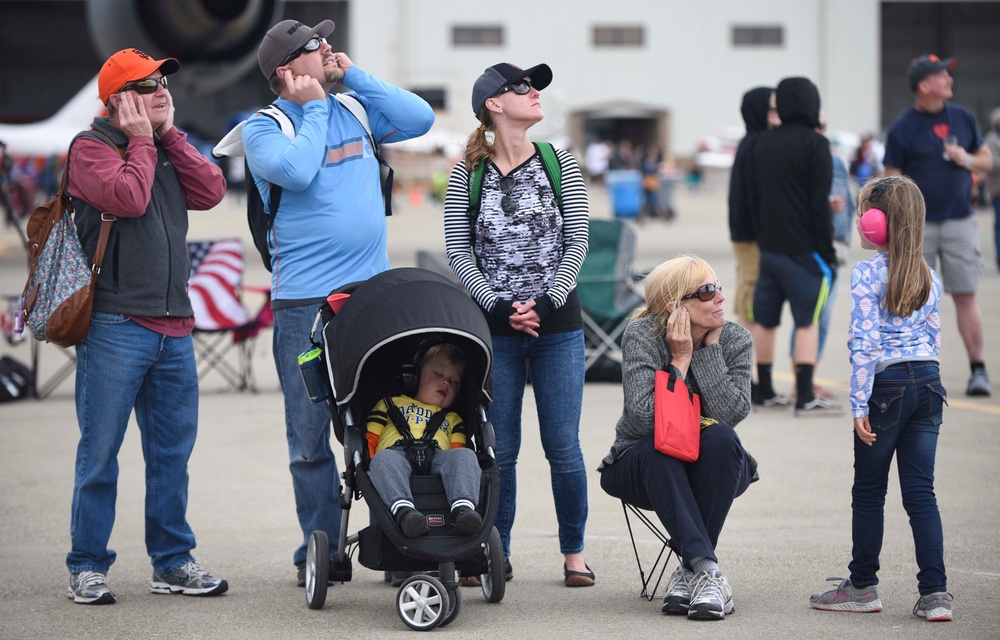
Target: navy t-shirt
[[915, 146]]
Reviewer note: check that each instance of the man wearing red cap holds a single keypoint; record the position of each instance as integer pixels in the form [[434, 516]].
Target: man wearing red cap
[[138, 355], [937, 144]]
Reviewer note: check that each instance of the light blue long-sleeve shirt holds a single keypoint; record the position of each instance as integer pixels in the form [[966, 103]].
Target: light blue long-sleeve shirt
[[878, 337], [330, 228]]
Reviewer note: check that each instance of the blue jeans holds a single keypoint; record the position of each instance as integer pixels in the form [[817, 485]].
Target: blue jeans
[[905, 413], [123, 366], [557, 364], [315, 479]]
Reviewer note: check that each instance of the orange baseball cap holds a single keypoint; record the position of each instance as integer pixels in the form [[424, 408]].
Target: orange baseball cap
[[128, 65]]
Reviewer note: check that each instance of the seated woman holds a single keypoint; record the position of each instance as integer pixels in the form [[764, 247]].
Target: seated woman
[[682, 327]]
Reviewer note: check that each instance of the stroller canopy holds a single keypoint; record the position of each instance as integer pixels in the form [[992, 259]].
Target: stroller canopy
[[404, 306]]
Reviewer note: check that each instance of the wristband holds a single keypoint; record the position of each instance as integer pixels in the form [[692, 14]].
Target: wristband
[[968, 162]]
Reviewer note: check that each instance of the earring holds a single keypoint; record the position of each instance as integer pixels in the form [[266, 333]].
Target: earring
[[490, 137]]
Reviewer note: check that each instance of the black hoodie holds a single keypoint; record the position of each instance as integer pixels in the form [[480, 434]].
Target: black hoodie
[[742, 227], [792, 171]]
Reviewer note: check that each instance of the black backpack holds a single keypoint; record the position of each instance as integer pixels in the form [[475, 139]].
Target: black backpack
[[261, 221]]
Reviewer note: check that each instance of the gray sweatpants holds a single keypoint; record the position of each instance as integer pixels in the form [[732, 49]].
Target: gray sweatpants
[[459, 470]]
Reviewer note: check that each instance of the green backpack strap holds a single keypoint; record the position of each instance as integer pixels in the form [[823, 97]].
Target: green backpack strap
[[552, 167]]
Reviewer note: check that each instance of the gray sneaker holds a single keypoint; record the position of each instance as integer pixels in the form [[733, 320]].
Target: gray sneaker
[[818, 407], [191, 580], [935, 607], [979, 383], [847, 597], [777, 401], [677, 599], [90, 587], [711, 596]]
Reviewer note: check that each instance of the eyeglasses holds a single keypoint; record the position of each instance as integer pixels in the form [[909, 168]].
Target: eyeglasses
[[705, 292], [146, 85], [507, 203], [521, 87], [313, 44]]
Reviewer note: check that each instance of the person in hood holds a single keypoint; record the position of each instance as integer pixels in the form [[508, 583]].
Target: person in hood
[[759, 115], [791, 172]]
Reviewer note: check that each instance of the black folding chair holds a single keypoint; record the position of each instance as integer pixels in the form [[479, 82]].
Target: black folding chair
[[660, 562]]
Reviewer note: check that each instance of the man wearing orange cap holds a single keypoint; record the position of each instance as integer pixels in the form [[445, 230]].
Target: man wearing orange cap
[[937, 143], [138, 355]]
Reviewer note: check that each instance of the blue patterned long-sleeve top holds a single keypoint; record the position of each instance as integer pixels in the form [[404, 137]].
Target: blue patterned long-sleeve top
[[879, 337]]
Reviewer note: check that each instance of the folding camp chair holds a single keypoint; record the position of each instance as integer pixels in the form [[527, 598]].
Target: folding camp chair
[[606, 287], [222, 322], [660, 562]]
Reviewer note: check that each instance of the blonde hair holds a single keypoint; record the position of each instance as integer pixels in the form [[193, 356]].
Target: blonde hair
[[447, 350], [668, 282], [477, 149], [909, 280]]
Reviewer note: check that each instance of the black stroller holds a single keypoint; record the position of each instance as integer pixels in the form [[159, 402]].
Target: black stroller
[[368, 348]]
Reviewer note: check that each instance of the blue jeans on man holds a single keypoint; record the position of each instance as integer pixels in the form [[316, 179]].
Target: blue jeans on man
[[315, 479], [905, 413], [557, 364], [120, 366]]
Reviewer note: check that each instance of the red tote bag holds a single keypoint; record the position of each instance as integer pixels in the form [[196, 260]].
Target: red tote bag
[[678, 418]]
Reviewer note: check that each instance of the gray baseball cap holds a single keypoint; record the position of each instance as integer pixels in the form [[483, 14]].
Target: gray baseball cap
[[500, 75], [284, 39]]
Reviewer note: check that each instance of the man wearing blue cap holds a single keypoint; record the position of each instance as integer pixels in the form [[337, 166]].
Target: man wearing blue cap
[[937, 143]]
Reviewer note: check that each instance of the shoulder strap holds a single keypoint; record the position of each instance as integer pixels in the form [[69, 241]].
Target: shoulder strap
[[231, 144], [107, 219], [404, 428], [287, 127], [357, 110], [552, 167]]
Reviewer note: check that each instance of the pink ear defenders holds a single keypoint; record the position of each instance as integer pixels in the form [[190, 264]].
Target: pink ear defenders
[[874, 227]]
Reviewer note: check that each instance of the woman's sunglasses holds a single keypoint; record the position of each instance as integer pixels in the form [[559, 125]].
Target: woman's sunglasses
[[705, 292], [313, 44], [507, 203], [146, 85], [521, 88]]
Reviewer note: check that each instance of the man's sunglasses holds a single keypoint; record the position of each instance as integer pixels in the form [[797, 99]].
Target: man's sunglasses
[[313, 44], [146, 85], [705, 292], [507, 203], [521, 87]]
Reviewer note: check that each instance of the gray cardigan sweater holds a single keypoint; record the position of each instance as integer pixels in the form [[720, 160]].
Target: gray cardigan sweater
[[719, 373]]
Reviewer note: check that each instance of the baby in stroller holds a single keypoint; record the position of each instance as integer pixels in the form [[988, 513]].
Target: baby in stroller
[[407, 434]]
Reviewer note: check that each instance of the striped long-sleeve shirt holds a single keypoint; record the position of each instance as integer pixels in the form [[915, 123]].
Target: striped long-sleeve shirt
[[533, 253]]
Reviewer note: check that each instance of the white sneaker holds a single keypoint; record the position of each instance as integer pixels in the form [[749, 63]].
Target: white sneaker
[[677, 599], [711, 596], [90, 587]]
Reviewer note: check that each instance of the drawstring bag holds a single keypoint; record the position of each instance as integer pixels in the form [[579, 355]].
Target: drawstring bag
[[677, 410]]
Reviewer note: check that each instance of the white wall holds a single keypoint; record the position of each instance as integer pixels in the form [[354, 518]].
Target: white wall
[[687, 65]]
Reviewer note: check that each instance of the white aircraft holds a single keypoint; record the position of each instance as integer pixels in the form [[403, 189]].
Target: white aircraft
[[51, 137]]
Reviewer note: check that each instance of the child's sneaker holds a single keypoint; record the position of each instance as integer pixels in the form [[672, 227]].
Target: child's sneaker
[[847, 597], [90, 587], [412, 523], [711, 596], [467, 521], [190, 580], [935, 607], [677, 598]]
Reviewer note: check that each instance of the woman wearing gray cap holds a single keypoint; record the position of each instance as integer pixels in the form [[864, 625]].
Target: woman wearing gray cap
[[516, 224]]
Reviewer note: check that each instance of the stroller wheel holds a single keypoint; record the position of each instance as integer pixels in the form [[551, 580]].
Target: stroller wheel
[[454, 606], [317, 569], [494, 581], [422, 602]]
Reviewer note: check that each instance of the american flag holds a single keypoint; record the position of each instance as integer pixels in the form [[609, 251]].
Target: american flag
[[216, 272]]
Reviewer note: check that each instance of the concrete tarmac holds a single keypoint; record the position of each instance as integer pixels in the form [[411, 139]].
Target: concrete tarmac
[[784, 536]]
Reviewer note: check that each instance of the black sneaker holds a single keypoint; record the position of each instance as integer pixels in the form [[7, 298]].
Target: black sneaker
[[301, 574], [467, 521], [508, 571], [412, 523]]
